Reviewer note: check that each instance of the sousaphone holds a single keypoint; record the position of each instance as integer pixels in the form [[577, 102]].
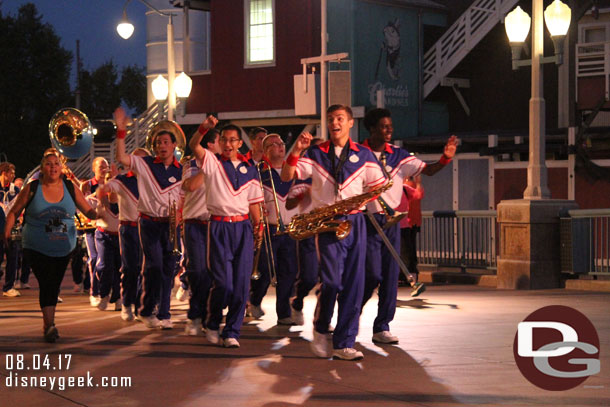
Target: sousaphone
[[170, 127]]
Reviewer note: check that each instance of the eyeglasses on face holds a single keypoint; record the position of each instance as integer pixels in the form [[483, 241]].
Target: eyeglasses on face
[[229, 140]]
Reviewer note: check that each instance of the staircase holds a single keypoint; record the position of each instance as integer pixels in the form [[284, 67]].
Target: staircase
[[461, 38], [136, 137]]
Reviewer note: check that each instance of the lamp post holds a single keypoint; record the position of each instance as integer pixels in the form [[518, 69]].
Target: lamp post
[[517, 23], [125, 30], [529, 227]]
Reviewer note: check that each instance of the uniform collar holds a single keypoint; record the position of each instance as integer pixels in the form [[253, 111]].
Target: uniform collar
[[175, 163], [388, 148], [130, 174], [326, 145], [94, 181], [240, 157]]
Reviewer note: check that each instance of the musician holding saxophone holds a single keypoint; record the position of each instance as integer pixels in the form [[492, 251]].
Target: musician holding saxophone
[[159, 185], [381, 268], [233, 199], [340, 169]]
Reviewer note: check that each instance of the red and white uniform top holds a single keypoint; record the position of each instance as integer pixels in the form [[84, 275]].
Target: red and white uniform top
[[232, 186], [359, 172], [302, 189], [195, 202], [400, 164], [126, 187], [282, 191], [109, 221], [159, 186]]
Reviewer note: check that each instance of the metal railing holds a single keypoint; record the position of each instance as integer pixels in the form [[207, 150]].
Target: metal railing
[[585, 241], [465, 239]]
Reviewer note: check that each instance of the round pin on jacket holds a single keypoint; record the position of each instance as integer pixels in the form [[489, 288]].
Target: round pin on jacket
[[171, 179], [354, 158], [243, 170]]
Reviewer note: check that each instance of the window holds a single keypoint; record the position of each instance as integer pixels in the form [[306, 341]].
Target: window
[[259, 32]]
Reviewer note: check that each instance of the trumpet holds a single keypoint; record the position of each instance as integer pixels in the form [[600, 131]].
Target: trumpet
[[173, 228], [266, 239]]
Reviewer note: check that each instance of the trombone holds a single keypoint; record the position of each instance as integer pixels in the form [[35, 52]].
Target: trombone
[[281, 228], [392, 215]]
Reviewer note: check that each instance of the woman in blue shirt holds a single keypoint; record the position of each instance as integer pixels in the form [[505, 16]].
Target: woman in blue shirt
[[49, 233]]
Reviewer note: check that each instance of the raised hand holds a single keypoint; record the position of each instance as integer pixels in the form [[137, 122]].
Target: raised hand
[[121, 119], [451, 147], [302, 143], [210, 122]]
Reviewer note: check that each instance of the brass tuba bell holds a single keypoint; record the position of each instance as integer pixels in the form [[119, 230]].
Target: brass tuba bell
[[71, 132], [170, 127]]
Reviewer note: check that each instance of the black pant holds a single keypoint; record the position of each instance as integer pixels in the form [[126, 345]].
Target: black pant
[[49, 272], [409, 248]]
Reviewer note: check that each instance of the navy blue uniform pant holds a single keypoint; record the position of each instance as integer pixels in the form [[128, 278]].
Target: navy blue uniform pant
[[197, 274]]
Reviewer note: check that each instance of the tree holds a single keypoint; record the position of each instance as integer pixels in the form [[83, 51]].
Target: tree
[[100, 93], [34, 73], [133, 88]]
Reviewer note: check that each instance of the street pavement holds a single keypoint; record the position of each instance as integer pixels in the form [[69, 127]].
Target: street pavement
[[456, 348]]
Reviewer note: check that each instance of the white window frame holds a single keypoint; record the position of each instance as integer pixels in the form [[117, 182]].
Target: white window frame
[[262, 64], [598, 24]]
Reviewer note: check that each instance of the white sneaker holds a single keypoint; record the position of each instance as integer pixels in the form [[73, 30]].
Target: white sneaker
[[385, 337], [25, 286], [255, 311], [319, 345], [94, 300], [60, 300], [212, 337], [17, 284], [166, 324], [182, 294], [347, 354], [230, 343], [103, 303], [78, 288], [11, 293], [285, 321], [151, 322], [297, 316], [118, 306], [193, 327], [126, 313]]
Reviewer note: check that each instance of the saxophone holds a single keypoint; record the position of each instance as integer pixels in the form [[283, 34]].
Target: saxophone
[[322, 219]]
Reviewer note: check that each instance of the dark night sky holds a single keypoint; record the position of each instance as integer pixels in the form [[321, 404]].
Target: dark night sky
[[93, 22]]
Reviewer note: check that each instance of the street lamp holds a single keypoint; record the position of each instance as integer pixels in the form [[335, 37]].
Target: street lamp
[[125, 30], [184, 84], [517, 24]]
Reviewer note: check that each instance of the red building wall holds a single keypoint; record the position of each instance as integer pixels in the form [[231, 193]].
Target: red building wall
[[510, 183], [297, 35], [591, 194]]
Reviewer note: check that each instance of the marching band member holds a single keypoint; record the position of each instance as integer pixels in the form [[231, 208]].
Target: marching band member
[[126, 187], [100, 168], [196, 217], [381, 268], [107, 247], [339, 169], [8, 193], [159, 185], [233, 192], [308, 274], [256, 136], [283, 246]]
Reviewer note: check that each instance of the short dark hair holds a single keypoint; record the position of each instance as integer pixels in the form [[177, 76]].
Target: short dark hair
[[162, 132], [255, 130], [210, 137], [334, 108], [373, 116], [229, 127]]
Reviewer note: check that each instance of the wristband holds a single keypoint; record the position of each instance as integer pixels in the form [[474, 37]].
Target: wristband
[[444, 160], [292, 160], [121, 134], [202, 129]]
